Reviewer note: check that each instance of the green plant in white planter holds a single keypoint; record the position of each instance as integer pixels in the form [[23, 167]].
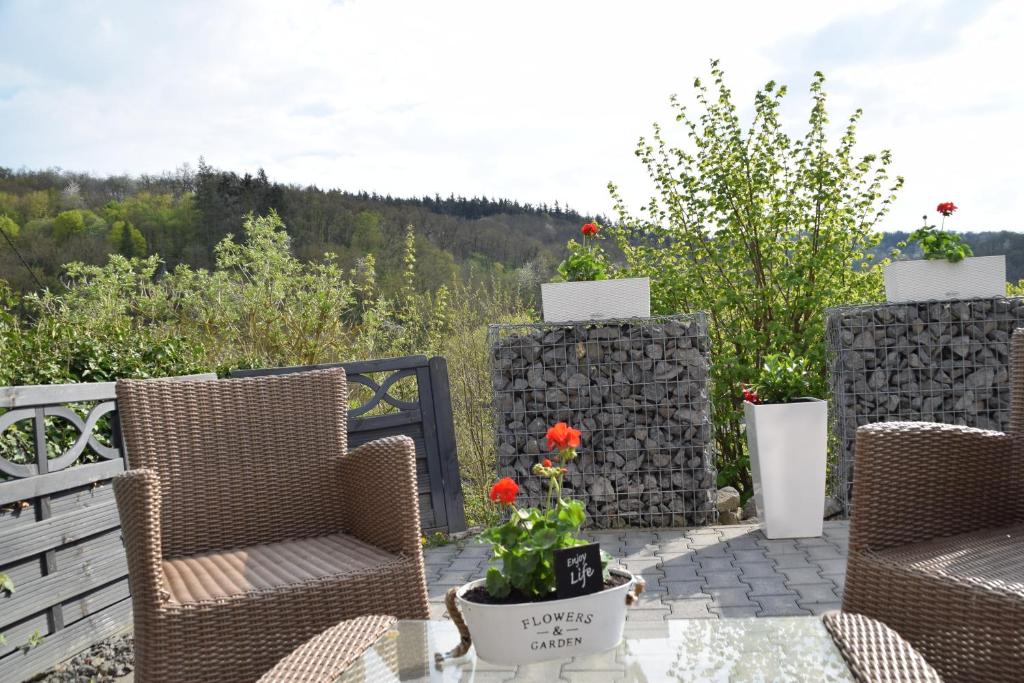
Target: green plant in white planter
[[949, 269], [517, 614], [587, 292], [787, 426]]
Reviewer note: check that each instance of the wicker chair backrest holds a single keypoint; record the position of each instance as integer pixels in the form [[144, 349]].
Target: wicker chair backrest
[[241, 461]]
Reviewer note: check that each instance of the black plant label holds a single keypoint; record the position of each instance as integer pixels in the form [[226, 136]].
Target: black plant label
[[578, 571]]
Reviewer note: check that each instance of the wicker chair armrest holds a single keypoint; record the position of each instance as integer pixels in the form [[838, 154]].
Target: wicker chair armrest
[[379, 495], [138, 504], [914, 481]]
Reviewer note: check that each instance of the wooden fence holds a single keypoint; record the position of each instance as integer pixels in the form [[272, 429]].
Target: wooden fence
[[60, 539]]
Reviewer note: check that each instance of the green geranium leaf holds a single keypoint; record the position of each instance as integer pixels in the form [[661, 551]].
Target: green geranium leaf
[[496, 583]]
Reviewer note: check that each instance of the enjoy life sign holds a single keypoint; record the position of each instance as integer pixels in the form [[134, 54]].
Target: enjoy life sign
[[578, 571]]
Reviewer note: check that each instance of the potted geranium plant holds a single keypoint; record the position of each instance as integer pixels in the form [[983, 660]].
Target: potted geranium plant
[[949, 269], [786, 426], [516, 615], [587, 292]]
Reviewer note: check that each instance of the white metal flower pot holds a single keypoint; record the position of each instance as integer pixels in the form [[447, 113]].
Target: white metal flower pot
[[977, 277], [596, 300], [530, 632], [788, 443]]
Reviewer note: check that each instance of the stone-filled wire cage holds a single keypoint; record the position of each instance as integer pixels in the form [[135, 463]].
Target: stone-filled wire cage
[[936, 361], [636, 389]]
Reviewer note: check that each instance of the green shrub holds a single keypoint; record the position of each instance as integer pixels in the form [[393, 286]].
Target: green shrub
[[761, 230], [785, 377], [260, 306]]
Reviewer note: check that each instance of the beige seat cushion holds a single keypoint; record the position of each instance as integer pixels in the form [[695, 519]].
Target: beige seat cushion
[[993, 558], [211, 576]]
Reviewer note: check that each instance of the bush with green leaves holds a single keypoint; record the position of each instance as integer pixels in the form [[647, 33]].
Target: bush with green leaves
[[259, 306], [762, 230], [785, 378]]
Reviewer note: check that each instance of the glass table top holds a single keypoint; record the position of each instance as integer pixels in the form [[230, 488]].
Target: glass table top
[[769, 650]]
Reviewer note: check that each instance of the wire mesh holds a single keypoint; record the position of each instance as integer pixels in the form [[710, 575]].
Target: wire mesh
[[636, 389], [937, 361]]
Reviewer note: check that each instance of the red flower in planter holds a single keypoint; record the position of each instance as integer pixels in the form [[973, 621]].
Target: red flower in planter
[[750, 395], [589, 229], [946, 208], [505, 490], [562, 436], [547, 463]]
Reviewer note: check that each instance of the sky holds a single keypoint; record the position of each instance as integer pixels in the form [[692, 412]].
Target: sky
[[535, 101]]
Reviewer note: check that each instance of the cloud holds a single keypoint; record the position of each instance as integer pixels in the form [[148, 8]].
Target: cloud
[[536, 101]]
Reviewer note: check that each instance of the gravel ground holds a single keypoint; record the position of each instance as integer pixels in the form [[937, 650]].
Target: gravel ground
[[106, 662]]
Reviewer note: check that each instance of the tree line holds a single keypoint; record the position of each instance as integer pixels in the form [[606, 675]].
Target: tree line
[[51, 217]]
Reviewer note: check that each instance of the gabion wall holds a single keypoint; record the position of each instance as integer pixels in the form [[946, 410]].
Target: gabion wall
[[945, 361], [637, 389]]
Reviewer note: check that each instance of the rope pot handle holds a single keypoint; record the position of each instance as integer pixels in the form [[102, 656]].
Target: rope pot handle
[[463, 647], [633, 595]]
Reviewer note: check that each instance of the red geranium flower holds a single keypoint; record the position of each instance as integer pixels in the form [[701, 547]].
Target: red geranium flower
[[946, 208], [562, 436], [505, 490], [547, 463], [589, 229]]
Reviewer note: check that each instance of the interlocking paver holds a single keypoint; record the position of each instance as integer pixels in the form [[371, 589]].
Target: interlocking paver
[[757, 569], [819, 607], [824, 552], [467, 564], [780, 606], [777, 546], [839, 580], [774, 585], [817, 592], [705, 572], [690, 609], [801, 576], [680, 572], [729, 597], [834, 566], [684, 589], [716, 564], [749, 555], [723, 580], [791, 561]]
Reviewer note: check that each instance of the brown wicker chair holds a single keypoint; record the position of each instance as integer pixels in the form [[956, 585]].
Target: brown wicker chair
[[248, 526], [937, 539]]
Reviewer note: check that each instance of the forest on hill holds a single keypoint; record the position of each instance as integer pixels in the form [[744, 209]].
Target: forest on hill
[[51, 217]]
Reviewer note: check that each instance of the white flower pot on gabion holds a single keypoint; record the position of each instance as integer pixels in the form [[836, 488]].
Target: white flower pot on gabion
[[975, 277], [788, 443], [596, 300]]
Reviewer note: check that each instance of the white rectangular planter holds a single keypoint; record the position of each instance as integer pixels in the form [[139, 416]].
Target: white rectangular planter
[[976, 277], [788, 443], [597, 300]]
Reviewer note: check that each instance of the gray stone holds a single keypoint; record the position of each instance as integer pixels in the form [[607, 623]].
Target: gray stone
[[832, 507], [727, 500]]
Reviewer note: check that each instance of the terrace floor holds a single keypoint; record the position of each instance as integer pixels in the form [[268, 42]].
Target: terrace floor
[[704, 572]]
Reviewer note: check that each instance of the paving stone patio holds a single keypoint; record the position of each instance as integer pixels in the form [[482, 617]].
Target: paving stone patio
[[698, 573]]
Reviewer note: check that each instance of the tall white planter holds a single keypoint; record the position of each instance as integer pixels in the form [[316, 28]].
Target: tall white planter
[[597, 300], [976, 277], [788, 443]]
